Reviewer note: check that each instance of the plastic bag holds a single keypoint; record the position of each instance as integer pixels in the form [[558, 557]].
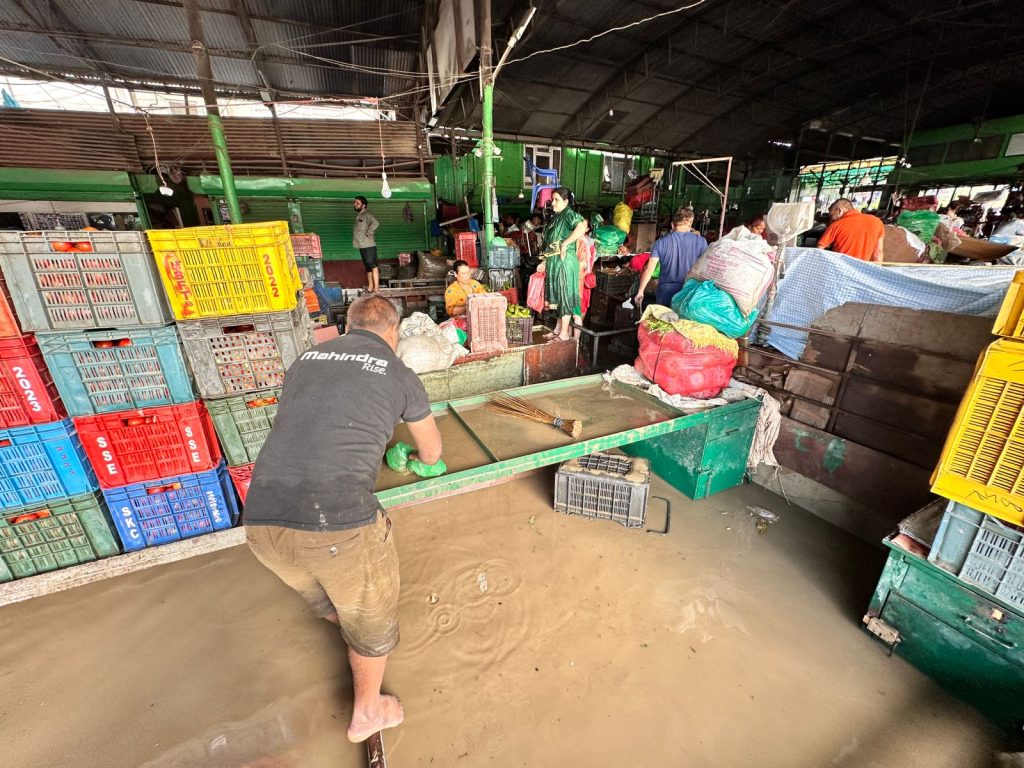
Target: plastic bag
[[535, 292], [424, 354], [787, 220], [921, 223], [740, 266], [609, 237], [622, 217], [709, 304], [397, 456], [421, 469], [681, 367]]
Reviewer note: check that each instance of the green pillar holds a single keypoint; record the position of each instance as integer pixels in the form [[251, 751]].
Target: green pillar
[[227, 177], [487, 146]]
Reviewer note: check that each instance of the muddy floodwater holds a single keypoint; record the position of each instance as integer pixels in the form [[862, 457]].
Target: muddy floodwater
[[529, 638]]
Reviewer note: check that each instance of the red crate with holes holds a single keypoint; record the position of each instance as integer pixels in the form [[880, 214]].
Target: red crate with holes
[[485, 322], [27, 392], [149, 443], [241, 477], [465, 248]]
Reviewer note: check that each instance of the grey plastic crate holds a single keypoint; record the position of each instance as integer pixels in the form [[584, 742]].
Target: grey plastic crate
[[497, 279], [244, 353], [981, 550], [502, 257], [604, 486], [115, 285]]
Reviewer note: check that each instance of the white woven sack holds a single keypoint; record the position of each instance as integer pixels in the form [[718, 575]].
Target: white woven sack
[[740, 267], [424, 354]]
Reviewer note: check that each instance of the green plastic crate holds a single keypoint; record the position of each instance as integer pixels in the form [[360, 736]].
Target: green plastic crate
[[243, 422], [46, 537]]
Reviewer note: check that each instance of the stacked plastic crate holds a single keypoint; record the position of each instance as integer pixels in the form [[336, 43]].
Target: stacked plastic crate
[[236, 295], [52, 514], [309, 259], [981, 469]]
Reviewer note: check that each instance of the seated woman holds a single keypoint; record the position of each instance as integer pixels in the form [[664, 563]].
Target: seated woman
[[461, 289]]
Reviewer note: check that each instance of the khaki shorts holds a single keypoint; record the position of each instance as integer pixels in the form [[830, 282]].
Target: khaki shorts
[[352, 572]]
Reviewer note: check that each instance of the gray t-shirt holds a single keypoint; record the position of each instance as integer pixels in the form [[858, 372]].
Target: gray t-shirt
[[338, 410]]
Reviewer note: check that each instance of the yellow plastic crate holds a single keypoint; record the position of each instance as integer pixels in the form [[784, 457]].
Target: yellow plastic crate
[[1010, 320], [234, 269], [982, 463]]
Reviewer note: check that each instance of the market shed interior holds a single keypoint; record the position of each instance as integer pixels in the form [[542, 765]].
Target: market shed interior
[[715, 306]]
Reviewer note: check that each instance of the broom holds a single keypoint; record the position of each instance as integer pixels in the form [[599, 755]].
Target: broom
[[510, 405]]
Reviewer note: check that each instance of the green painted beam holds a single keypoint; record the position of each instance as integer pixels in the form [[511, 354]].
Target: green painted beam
[[253, 186], [46, 184]]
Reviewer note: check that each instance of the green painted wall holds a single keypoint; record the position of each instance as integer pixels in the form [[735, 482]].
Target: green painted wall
[[952, 154], [87, 186]]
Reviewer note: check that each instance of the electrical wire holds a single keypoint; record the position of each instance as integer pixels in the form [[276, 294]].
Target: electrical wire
[[607, 32]]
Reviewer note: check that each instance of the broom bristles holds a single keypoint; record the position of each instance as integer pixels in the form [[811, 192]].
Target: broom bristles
[[511, 405]]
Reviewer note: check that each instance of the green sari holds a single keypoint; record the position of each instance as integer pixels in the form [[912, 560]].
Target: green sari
[[562, 274]]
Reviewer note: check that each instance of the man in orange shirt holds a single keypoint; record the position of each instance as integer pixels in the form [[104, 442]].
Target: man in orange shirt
[[856, 234]]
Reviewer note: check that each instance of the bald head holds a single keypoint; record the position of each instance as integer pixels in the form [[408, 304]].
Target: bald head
[[839, 208], [375, 314]]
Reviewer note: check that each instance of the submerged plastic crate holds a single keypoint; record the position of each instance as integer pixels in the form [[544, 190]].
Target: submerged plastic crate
[[501, 256], [66, 280], [42, 462], [117, 370], [150, 443], [27, 391], [982, 551], [243, 423], [604, 486], [241, 477], [44, 537], [982, 462], [519, 331], [172, 508], [244, 353], [227, 270], [485, 322]]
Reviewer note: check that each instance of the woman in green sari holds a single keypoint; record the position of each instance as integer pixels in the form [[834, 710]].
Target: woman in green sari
[[561, 266]]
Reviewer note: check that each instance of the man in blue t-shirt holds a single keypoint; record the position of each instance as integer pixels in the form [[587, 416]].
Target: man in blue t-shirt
[[677, 252]]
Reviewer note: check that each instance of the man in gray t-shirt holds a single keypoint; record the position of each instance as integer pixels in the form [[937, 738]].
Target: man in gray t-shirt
[[364, 240], [311, 515]]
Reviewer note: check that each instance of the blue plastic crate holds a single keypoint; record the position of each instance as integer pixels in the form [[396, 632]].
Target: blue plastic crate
[[502, 257], [118, 370], [172, 508], [42, 462]]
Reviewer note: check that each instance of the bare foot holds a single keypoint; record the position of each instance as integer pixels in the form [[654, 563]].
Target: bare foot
[[564, 338], [388, 715], [550, 336]]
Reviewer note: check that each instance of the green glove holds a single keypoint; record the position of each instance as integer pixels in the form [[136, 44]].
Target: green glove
[[398, 456], [427, 470]]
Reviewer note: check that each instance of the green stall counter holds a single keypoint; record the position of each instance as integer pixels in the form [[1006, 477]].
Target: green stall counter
[[966, 640]]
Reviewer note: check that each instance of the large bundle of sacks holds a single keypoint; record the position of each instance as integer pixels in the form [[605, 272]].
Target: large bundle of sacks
[[727, 283], [684, 357]]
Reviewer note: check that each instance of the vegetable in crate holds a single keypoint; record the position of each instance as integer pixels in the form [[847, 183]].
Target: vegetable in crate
[[515, 310]]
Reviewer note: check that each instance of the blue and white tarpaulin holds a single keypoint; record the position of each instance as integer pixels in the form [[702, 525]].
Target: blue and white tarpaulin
[[816, 281]]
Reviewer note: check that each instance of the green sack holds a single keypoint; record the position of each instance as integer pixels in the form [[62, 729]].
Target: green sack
[[704, 302], [417, 467], [609, 237], [397, 456], [921, 223]]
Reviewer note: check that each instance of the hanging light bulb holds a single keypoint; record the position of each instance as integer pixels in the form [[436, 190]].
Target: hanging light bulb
[[385, 188]]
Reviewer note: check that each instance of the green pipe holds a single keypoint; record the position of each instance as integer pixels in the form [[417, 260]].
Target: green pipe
[[220, 145], [487, 147]]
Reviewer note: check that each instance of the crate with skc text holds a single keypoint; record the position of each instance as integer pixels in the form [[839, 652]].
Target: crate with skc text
[[105, 371], [172, 508], [243, 423], [244, 353], [58, 534], [27, 392], [149, 443], [42, 462], [65, 280], [227, 270]]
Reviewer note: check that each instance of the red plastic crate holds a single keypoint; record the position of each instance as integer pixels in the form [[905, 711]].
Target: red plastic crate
[[27, 392], [241, 477], [307, 246], [511, 296], [465, 248], [8, 323], [149, 443]]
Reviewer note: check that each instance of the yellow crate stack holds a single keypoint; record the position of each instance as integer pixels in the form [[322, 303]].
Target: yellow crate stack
[[237, 269], [982, 462]]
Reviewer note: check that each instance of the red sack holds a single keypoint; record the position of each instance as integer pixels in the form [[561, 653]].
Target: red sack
[[672, 362], [535, 292]]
